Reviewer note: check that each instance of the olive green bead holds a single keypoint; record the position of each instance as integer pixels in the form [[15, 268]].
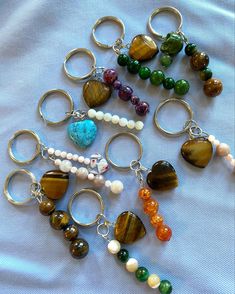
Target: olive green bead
[[123, 59], [205, 74], [142, 274], [123, 255], [144, 73], [157, 77], [169, 83], [173, 44], [165, 287], [166, 60], [181, 87], [190, 49], [133, 66]]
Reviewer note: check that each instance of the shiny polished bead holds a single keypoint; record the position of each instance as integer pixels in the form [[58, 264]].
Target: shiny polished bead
[[168, 83], [139, 125], [131, 124], [144, 193], [166, 60], [132, 265], [107, 117], [82, 173], [142, 108], [172, 44], [125, 93], [163, 233], [109, 76], [71, 232], [150, 206], [143, 48], [133, 66], [181, 87], [213, 87], [99, 115], [114, 246], [135, 100], [165, 287], [96, 93], [65, 166], [123, 122], [99, 181], [222, 149], [91, 113], [205, 74], [142, 274], [46, 207], [115, 119], [123, 255], [190, 49], [123, 59], [153, 281], [79, 248], [116, 187], [157, 77], [156, 220], [199, 61], [144, 73], [117, 85], [59, 219]]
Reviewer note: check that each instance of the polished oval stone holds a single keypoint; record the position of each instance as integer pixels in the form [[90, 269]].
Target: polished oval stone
[[172, 45], [162, 176], [197, 151], [129, 228], [96, 93], [142, 48], [54, 184]]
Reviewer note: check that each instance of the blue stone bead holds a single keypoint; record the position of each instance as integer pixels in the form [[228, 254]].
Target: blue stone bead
[[82, 133]]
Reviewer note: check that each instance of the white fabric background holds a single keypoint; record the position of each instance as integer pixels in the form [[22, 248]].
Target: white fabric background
[[35, 37]]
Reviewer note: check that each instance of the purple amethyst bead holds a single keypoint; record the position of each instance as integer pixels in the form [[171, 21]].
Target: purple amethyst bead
[[117, 85], [109, 76], [135, 100], [142, 108], [125, 93]]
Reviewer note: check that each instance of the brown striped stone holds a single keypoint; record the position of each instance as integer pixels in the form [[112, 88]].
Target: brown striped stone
[[129, 228], [162, 176], [54, 184], [96, 93], [143, 48], [197, 151]]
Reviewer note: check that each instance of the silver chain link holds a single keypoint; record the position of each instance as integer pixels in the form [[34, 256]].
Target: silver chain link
[[194, 130], [138, 168]]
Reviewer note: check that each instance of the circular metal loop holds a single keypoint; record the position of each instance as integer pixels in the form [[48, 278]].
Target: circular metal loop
[[74, 52], [45, 96], [37, 149], [135, 138], [8, 195], [186, 126], [169, 9], [102, 20], [78, 194]]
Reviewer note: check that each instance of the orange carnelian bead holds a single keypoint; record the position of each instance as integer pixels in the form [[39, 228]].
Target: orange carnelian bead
[[150, 206], [156, 220], [144, 193], [164, 233]]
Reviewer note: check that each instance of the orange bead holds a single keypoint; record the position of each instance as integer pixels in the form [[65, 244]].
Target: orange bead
[[144, 193], [164, 233], [156, 220], [150, 206]]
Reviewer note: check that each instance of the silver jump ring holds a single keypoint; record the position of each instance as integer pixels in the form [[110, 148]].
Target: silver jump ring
[[134, 137], [186, 126], [104, 19], [78, 194], [74, 52], [164, 9], [37, 147], [45, 96], [7, 194]]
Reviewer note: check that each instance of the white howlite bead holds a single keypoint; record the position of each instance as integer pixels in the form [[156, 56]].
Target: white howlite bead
[[115, 119], [99, 115], [229, 157], [216, 142], [65, 166], [107, 117], [81, 159], [108, 184], [211, 138], [123, 122], [69, 156], [57, 153], [91, 113], [82, 173], [116, 187], [51, 151], [130, 124], [75, 157], [139, 125], [114, 246], [222, 149], [132, 265], [91, 177], [57, 162], [87, 161], [153, 281], [73, 170], [63, 154]]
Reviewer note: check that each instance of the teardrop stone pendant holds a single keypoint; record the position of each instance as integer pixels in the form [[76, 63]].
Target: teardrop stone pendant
[[129, 228], [197, 151]]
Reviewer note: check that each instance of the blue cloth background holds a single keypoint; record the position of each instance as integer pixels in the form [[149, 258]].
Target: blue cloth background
[[35, 37]]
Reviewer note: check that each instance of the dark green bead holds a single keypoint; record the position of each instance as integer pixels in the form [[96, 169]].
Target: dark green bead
[[169, 83], [123, 255], [144, 73], [133, 66], [172, 45], [123, 59], [142, 274], [181, 87], [157, 77], [205, 74], [165, 287], [190, 49], [166, 60]]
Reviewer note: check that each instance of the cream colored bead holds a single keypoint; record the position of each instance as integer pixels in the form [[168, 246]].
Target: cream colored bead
[[63, 154], [116, 187], [81, 159], [115, 119], [57, 162], [154, 281], [73, 170], [82, 173], [51, 151], [132, 265], [65, 166], [216, 143], [108, 184], [123, 122], [69, 156], [229, 157], [211, 138], [91, 113], [222, 149], [87, 161], [91, 177], [57, 153], [130, 124], [139, 125], [107, 117], [99, 115], [114, 246], [75, 157]]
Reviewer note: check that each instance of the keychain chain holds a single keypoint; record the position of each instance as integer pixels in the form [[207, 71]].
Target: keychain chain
[[194, 130], [138, 168]]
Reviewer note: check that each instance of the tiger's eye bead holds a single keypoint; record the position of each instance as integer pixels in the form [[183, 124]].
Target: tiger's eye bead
[[205, 74], [190, 49], [71, 232], [199, 61], [133, 66], [150, 206], [123, 255], [144, 73], [157, 77], [59, 219], [142, 274], [46, 207], [181, 87], [165, 287], [168, 83], [163, 233], [79, 248], [144, 193], [213, 87], [166, 60], [156, 220], [123, 59]]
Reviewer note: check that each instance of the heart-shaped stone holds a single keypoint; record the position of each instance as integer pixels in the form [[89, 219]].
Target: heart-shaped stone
[[129, 228], [162, 176], [197, 151], [143, 48], [82, 133], [96, 93]]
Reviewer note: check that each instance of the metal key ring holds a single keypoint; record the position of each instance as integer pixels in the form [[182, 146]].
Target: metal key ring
[[78, 194], [37, 149], [77, 51], [165, 9], [45, 96], [186, 126], [135, 138], [104, 19], [7, 194]]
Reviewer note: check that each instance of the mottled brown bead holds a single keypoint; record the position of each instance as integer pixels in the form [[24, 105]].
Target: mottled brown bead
[[46, 207], [71, 232], [213, 87], [199, 61], [59, 219], [79, 248]]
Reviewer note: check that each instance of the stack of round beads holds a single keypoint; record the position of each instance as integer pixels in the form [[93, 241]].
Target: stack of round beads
[[150, 206], [141, 273]]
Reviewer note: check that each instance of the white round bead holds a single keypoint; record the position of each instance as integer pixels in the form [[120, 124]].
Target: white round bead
[[114, 246], [211, 138], [73, 170], [116, 187], [222, 149], [99, 181], [75, 157], [87, 161], [91, 177], [65, 166], [130, 124], [51, 151], [216, 142], [107, 117], [99, 115], [115, 119], [81, 159], [63, 154], [108, 184], [229, 157], [57, 153], [139, 125], [82, 173], [69, 156], [153, 281], [123, 122], [91, 113], [132, 265], [57, 162]]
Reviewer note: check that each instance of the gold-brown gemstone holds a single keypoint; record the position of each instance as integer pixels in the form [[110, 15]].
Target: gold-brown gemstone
[[143, 48], [59, 219], [197, 151], [71, 232], [213, 87], [129, 228], [46, 207], [96, 93], [54, 184]]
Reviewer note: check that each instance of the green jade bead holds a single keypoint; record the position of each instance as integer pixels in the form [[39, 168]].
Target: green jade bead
[[165, 287], [144, 73], [190, 49], [168, 83], [133, 66], [166, 60], [142, 274], [172, 45], [181, 87], [123, 59], [157, 77], [205, 74], [123, 255]]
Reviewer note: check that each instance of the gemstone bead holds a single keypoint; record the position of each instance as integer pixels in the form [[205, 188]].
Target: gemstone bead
[[157, 77], [123, 255], [163, 233], [166, 60], [153, 281], [135, 100], [71, 232], [165, 287], [172, 45], [144, 193], [150, 206], [213, 87], [59, 219], [133, 66], [205, 74], [79, 248], [123, 59], [114, 246], [190, 49], [222, 149], [168, 83], [199, 61], [117, 85], [132, 265], [142, 108], [156, 220], [125, 93], [142, 274], [181, 87], [109, 76], [144, 73], [46, 207]]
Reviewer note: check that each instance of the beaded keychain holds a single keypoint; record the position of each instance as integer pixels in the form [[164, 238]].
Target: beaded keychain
[[198, 150], [96, 165], [97, 90], [173, 43], [52, 186], [161, 177], [83, 130], [141, 48], [128, 228]]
